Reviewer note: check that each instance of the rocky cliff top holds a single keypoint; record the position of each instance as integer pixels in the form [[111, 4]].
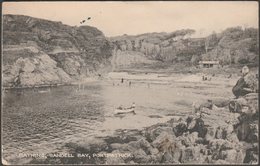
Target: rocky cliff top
[[77, 52], [231, 47]]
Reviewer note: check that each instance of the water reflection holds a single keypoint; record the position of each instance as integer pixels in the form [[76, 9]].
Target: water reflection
[[42, 122]]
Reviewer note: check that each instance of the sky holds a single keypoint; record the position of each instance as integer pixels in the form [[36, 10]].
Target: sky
[[118, 18]]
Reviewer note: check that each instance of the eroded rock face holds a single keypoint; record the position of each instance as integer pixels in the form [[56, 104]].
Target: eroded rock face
[[49, 52], [232, 46], [37, 70], [161, 46]]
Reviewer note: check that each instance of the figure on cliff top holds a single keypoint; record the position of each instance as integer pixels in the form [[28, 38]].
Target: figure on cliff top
[[246, 84]]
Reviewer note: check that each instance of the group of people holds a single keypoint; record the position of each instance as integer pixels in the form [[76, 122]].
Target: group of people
[[205, 78], [122, 81], [129, 83]]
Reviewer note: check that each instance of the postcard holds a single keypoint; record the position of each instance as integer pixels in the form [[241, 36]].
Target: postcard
[[120, 82]]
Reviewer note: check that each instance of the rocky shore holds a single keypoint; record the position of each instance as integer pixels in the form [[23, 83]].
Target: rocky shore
[[42, 53], [216, 133]]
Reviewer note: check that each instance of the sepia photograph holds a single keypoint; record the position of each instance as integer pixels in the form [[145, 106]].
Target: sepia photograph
[[130, 83]]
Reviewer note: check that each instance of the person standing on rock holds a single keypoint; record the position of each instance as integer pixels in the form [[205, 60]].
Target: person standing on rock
[[133, 105], [242, 87]]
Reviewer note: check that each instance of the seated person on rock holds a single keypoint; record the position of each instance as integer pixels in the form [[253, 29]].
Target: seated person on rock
[[242, 87], [132, 106], [246, 85], [120, 107]]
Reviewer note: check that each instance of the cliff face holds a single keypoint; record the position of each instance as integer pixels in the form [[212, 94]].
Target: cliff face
[[232, 46], [37, 51], [174, 47]]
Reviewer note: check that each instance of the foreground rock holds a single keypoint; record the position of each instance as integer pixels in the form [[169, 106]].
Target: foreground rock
[[209, 136]]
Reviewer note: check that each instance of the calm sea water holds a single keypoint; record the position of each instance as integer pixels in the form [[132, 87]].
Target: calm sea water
[[44, 120]]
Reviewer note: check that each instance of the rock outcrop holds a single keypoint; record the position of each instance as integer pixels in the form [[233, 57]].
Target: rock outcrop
[[210, 135], [39, 52], [173, 46], [232, 46]]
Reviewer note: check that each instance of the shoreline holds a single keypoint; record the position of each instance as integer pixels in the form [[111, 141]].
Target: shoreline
[[52, 85], [204, 138], [160, 76], [177, 130]]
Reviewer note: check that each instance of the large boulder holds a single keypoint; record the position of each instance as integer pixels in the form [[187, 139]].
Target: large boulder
[[140, 156], [164, 142], [114, 159], [153, 132], [252, 154], [168, 158], [89, 146], [180, 128], [190, 154], [211, 132], [140, 144], [169, 147], [251, 81], [189, 139], [232, 156], [247, 131]]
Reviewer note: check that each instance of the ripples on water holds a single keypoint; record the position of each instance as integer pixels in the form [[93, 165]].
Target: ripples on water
[[36, 122], [42, 122]]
